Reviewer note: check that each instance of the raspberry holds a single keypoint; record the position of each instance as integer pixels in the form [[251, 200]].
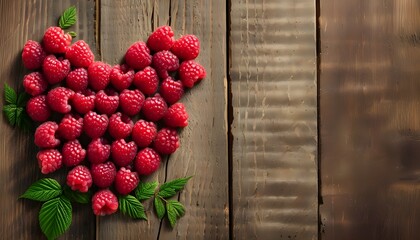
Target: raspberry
[[73, 153], [37, 108], [55, 69], [123, 153], [58, 99], [84, 101], [34, 83], [187, 47], [161, 39], [176, 116], [106, 101], [126, 181], [79, 179], [104, 202], [98, 73], [49, 160], [154, 108], [70, 127], [131, 101], [144, 133], [138, 56], [98, 151], [146, 81], [171, 90], [79, 54], [191, 72], [120, 126], [45, 135], [77, 80], [94, 124], [32, 55], [103, 174], [165, 61], [147, 161], [121, 77], [166, 141], [55, 40]]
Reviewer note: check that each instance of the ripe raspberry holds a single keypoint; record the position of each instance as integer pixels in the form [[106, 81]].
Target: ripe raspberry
[[143, 133], [121, 77], [103, 174], [84, 101], [55, 40], [147, 161], [187, 47], [98, 151], [138, 56], [98, 73], [131, 101], [146, 81], [166, 141], [123, 153], [49, 160], [165, 61], [95, 125], [104, 202], [70, 127], [106, 101], [154, 108], [45, 135], [161, 39], [73, 153], [126, 181], [37, 108], [32, 55], [176, 116], [79, 54], [55, 69], [58, 99], [171, 90], [77, 80], [120, 126], [79, 179], [34, 83], [191, 72]]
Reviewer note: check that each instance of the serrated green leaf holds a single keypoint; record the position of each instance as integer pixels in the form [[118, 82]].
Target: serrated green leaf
[[76, 196], [22, 99], [146, 190], [9, 94], [171, 213], [43, 190], [129, 205], [55, 217], [68, 18], [159, 207], [178, 207], [169, 189], [10, 112], [24, 122], [72, 34]]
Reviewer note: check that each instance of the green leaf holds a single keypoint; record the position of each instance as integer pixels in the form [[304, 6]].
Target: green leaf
[[169, 189], [129, 205], [146, 190], [55, 217], [178, 207], [68, 18], [72, 34], [172, 214], [9, 94], [22, 99], [159, 207], [43, 190], [76, 196], [23, 120], [10, 112]]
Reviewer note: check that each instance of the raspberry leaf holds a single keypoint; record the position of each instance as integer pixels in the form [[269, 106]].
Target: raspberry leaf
[[175, 210], [10, 112], [146, 190], [129, 205], [55, 217], [72, 34], [9, 94], [159, 207], [43, 190], [68, 18], [169, 189], [178, 207], [76, 196], [22, 99]]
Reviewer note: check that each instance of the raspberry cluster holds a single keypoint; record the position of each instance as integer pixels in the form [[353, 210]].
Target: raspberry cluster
[[108, 124]]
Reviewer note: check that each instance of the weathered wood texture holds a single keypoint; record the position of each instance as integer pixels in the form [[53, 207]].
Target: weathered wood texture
[[274, 98]]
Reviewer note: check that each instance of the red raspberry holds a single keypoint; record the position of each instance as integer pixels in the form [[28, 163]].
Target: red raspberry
[[161, 39], [79, 54], [187, 47], [165, 61], [70, 127], [37, 108], [106, 101], [147, 161], [154, 108], [103, 174], [95, 125], [146, 81], [45, 135], [98, 151], [144, 133], [171, 90], [123, 153], [55, 40], [77, 80], [176, 116], [126, 181], [79, 179], [120, 126], [104, 202], [49, 160], [32, 55], [138, 56], [166, 141], [121, 77], [131, 101], [98, 73], [191, 72], [58, 99], [55, 69], [84, 101], [34, 83], [73, 153]]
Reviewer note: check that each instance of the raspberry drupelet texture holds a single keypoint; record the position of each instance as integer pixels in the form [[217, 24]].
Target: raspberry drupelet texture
[[95, 125], [45, 135], [123, 153], [147, 161], [191, 72], [73, 153], [147, 81], [84, 101], [98, 151], [58, 99], [121, 77], [79, 54], [55, 40], [55, 69], [164, 62], [166, 141], [33, 55], [161, 39], [98, 73], [79, 179], [120, 126], [70, 127], [138, 56], [49, 160], [38, 109], [104, 202], [35, 83], [187, 47], [77, 80], [107, 101], [176, 116], [131, 101], [143, 133], [154, 108], [171, 90], [103, 174], [126, 181]]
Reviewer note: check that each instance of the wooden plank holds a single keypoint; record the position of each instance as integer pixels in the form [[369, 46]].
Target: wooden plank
[[274, 128]]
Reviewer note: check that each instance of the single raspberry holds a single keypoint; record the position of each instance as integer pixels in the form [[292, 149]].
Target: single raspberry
[[70, 127], [126, 181], [98, 73], [98, 151], [147, 161], [103, 174], [79, 179], [171, 90], [166, 141], [58, 99], [104, 202], [123, 153], [55, 69], [77, 80], [165, 61], [131, 101], [121, 76], [161, 39], [95, 125], [154, 108], [49, 160], [187, 47], [120, 126], [32, 55], [176, 116], [143, 133], [84, 101], [73, 153], [107, 101], [79, 54], [35, 84], [55, 40], [45, 135], [138, 56], [147, 81], [191, 72], [38, 109]]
